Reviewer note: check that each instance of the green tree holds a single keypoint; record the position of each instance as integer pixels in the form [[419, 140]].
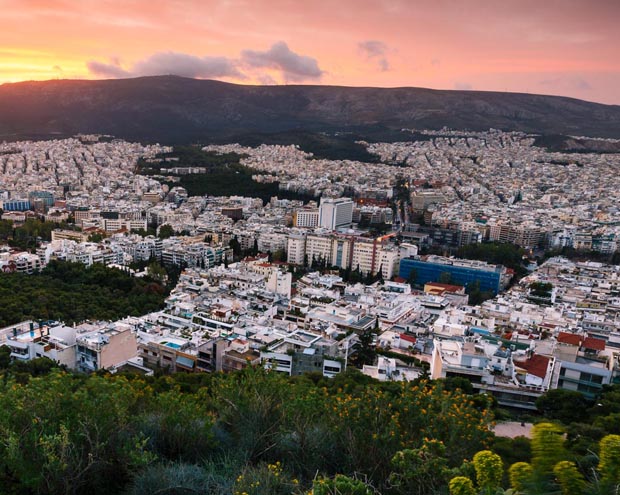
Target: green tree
[[5, 357], [566, 406], [364, 350], [412, 277], [461, 485], [279, 255], [96, 237], [235, 246], [156, 272], [547, 447], [489, 471], [422, 471], [609, 464], [569, 478], [520, 475], [340, 485], [166, 231]]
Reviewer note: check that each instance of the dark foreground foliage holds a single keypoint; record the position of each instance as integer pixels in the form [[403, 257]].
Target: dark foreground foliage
[[252, 431]]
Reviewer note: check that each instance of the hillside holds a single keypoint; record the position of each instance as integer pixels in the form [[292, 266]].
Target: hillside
[[172, 109]]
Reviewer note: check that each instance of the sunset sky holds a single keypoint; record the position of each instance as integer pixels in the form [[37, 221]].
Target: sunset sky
[[561, 47]]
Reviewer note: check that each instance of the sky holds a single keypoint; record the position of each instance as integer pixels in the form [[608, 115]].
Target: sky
[[559, 47]]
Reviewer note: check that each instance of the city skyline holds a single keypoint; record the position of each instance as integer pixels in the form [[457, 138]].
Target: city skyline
[[562, 48]]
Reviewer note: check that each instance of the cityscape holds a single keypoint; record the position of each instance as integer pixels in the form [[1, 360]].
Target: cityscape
[[252, 274]]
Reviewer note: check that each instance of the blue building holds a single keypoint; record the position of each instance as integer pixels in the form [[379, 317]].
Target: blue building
[[16, 205], [46, 197], [461, 272]]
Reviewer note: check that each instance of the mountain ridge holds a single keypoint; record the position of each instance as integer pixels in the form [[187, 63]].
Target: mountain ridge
[[175, 109]]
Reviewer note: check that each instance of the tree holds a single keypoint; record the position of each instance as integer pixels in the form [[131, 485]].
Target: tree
[[235, 246], [520, 474], [422, 471], [5, 357], [95, 237], [461, 485], [365, 351], [340, 485], [279, 255], [569, 478], [156, 272], [547, 447], [512, 450], [412, 277], [165, 231], [566, 406], [489, 471], [609, 464], [445, 278]]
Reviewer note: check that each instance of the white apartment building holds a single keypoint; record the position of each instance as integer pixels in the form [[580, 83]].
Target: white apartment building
[[370, 255], [335, 213], [280, 283], [270, 242], [319, 247], [115, 224], [306, 218], [296, 249]]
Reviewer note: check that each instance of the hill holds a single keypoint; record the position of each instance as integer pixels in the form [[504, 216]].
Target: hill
[[175, 110]]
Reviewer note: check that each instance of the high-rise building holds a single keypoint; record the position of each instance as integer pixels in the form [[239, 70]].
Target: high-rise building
[[306, 217], [335, 213]]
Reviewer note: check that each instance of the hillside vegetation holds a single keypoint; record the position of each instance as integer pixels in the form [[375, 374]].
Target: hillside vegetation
[[71, 292], [178, 110], [248, 432]]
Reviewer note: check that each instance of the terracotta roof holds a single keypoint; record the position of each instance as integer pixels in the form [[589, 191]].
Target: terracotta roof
[[593, 344], [536, 365], [408, 338], [445, 287], [569, 338]]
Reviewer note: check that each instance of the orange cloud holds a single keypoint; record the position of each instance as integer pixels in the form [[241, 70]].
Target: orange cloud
[[510, 45]]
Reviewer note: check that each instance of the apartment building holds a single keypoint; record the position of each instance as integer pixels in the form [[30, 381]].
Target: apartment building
[[335, 213], [105, 347]]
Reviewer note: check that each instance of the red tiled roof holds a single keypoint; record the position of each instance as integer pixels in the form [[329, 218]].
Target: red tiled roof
[[445, 287], [408, 338], [569, 338], [593, 344], [536, 365]]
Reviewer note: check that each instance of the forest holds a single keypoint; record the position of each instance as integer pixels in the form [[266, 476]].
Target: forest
[[225, 175], [72, 292], [257, 432], [30, 233]]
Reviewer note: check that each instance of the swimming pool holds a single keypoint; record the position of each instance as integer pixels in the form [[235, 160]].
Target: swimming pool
[[171, 345]]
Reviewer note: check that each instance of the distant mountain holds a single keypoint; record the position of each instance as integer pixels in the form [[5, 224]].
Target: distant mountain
[[172, 109]]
